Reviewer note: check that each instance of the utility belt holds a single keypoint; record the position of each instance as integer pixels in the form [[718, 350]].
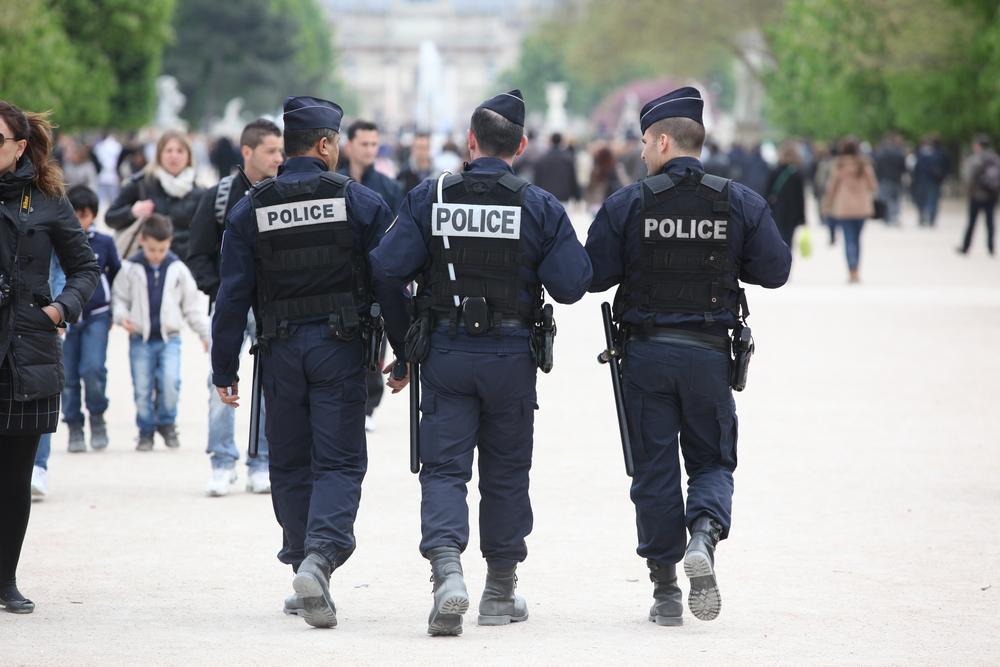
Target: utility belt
[[739, 348], [478, 320]]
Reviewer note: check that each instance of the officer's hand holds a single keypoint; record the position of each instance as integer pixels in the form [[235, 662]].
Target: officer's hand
[[397, 385], [230, 395], [205, 345]]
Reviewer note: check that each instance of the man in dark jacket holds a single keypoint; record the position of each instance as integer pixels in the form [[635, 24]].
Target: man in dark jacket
[[362, 147], [555, 172], [261, 151], [982, 172], [890, 167], [419, 166]]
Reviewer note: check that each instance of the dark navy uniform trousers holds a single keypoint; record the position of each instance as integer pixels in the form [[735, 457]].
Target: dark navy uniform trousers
[[673, 389], [314, 386], [488, 401]]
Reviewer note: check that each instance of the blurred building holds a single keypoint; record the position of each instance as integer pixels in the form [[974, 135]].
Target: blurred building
[[431, 60]]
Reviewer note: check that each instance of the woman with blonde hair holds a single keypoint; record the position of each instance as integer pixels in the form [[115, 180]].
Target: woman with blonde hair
[[849, 199], [166, 186], [35, 221]]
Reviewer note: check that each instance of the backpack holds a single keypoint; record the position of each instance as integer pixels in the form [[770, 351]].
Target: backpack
[[988, 178], [222, 198]]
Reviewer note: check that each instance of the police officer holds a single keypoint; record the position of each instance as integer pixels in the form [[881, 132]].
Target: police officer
[[482, 244], [676, 244], [296, 250]]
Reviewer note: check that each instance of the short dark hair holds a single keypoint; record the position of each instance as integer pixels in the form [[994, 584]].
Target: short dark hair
[[298, 142], [556, 139], [157, 227], [689, 135], [983, 140], [360, 126], [496, 135], [82, 198], [422, 135], [255, 132]]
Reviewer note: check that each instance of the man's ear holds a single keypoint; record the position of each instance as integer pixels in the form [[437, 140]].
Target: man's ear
[[470, 140], [246, 152], [663, 143], [521, 146]]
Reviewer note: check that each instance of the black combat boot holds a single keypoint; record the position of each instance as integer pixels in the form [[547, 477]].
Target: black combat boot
[[451, 599], [12, 600], [704, 600], [312, 587], [499, 604], [668, 607]]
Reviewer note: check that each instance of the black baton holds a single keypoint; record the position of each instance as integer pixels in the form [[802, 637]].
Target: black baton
[[255, 400], [611, 356], [398, 373]]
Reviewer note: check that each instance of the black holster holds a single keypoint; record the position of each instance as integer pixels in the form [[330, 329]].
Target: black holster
[[543, 338], [743, 348], [373, 332], [417, 343]]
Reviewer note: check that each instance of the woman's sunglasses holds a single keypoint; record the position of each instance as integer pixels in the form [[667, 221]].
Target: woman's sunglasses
[[4, 140]]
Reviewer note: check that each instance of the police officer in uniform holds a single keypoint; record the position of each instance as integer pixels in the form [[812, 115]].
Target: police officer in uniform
[[677, 244], [296, 250], [482, 245]]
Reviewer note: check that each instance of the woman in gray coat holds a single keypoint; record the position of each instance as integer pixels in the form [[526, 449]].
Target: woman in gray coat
[[35, 221]]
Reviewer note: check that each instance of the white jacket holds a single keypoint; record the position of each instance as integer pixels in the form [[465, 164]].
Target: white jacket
[[181, 301]]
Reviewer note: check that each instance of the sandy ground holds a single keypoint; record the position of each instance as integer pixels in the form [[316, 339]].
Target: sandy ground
[[865, 527]]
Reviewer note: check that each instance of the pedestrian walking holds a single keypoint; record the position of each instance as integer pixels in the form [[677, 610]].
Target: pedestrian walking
[[419, 165], [929, 171], [481, 283], [296, 250], [849, 199], [890, 169], [261, 154], [166, 186], [85, 347], [555, 171], [36, 220], [982, 173], [154, 294], [786, 192], [678, 296]]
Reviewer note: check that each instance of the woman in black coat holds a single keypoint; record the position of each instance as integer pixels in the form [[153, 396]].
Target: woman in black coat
[[166, 186], [35, 220], [786, 193]]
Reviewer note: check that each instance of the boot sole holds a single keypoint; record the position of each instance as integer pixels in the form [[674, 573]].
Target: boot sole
[[501, 620], [17, 609], [668, 621], [447, 618], [704, 599], [292, 612], [317, 606]]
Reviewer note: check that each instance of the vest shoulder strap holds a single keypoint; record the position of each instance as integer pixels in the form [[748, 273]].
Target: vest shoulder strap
[[222, 198], [451, 180], [659, 183], [717, 183], [336, 178], [512, 182]]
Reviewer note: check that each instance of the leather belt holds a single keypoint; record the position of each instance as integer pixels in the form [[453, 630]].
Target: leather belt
[[682, 337]]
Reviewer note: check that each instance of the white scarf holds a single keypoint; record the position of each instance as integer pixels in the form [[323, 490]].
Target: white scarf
[[175, 186]]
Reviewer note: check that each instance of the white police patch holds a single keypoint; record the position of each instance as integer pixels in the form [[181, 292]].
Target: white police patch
[[301, 214], [704, 230], [490, 222]]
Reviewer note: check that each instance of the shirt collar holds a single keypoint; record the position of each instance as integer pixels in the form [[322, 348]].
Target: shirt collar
[[488, 164], [679, 166], [302, 163]]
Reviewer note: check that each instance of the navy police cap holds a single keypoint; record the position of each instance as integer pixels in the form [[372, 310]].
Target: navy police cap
[[510, 105], [311, 113], [684, 102]]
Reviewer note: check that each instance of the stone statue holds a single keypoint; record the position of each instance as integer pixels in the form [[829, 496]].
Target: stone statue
[[169, 102], [556, 118]]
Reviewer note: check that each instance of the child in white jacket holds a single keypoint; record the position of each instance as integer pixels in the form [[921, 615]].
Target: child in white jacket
[[154, 293]]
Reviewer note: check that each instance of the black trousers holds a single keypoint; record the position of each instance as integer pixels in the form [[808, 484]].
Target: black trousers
[[987, 207], [17, 456]]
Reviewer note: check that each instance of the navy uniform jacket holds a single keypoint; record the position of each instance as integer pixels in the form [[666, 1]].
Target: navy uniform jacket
[[755, 246], [548, 242], [375, 180], [369, 215]]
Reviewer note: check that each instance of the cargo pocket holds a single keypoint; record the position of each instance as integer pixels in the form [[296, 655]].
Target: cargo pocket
[[634, 413], [728, 434], [428, 426]]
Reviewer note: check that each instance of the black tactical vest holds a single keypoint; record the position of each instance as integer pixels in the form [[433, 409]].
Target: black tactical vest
[[310, 265], [476, 229], [684, 263]]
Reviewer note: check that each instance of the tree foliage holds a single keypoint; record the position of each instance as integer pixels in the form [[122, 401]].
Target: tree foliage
[[93, 62], [918, 66], [259, 50]]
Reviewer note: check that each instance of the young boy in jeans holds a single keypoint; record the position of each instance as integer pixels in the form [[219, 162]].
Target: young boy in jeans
[[85, 348], [154, 294]]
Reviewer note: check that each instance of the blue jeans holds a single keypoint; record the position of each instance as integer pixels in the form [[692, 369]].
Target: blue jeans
[[222, 425], [44, 449], [156, 379], [891, 192], [928, 204], [85, 351], [852, 240]]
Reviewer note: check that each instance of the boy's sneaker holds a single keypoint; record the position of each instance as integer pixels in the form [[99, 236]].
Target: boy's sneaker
[[169, 433], [219, 483], [39, 483], [98, 432], [259, 481], [77, 440], [145, 443]]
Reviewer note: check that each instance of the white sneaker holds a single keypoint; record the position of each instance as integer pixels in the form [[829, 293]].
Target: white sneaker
[[220, 481], [369, 423], [259, 481], [39, 482]]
